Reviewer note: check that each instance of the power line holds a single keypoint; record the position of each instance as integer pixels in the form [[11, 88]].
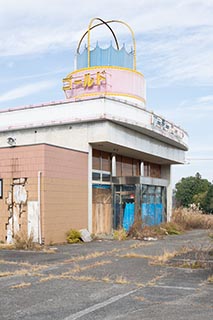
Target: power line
[[199, 159]]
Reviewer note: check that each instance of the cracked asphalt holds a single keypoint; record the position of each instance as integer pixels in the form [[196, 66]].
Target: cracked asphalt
[[108, 280]]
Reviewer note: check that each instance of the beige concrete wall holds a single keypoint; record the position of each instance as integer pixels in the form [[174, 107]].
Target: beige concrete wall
[[65, 193], [64, 188]]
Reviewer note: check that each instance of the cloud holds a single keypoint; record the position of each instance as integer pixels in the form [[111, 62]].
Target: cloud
[[206, 99], [26, 90], [34, 76], [204, 103], [170, 50], [34, 26], [179, 56]]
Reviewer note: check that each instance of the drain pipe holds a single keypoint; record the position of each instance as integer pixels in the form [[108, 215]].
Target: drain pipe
[[39, 208]]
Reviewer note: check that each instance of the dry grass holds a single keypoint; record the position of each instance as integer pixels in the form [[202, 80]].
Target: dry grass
[[32, 270], [52, 277], [199, 257], [6, 246], [77, 268], [153, 281], [21, 272], [23, 241], [161, 259], [140, 232], [92, 255], [182, 219], [210, 279], [49, 250], [106, 279], [21, 285], [141, 244], [210, 235], [135, 255], [85, 278], [121, 280], [164, 257], [192, 219], [6, 274], [193, 265], [70, 277], [140, 285], [142, 299], [23, 264]]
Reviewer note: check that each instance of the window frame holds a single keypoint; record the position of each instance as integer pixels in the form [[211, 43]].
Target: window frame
[[101, 181]]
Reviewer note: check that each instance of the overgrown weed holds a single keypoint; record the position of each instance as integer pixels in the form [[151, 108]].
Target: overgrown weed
[[120, 234], [23, 241], [189, 219]]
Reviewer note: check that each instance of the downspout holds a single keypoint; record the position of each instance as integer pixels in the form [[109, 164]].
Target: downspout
[[90, 188], [39, 208]]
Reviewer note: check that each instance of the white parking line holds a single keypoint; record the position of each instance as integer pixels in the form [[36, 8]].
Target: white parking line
[[100, 305], [174, 287]]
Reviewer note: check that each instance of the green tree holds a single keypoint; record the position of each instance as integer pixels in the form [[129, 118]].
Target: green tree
[[191, 190], [200, 199], [208, 204]]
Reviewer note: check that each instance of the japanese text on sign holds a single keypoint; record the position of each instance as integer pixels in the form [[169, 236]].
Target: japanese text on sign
[[86, 81], [167, 126]]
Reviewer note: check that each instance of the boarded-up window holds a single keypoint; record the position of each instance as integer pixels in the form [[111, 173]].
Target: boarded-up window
[[126, 166], [155, 170], [136, 167], [101, 160], [152, 170], [105, 157], [146, 169], [96, 159]]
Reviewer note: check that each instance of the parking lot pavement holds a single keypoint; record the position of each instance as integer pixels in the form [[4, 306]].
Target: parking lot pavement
[[110, 280]]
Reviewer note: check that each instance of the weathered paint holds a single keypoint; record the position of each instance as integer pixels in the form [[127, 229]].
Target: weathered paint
[[109, 81], [90, 111], [33, 220], [16, 199], [64, 191]]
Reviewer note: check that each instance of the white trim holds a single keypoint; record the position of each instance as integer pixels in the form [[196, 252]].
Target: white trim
[[39, 208], [113, 166], [90, 188]]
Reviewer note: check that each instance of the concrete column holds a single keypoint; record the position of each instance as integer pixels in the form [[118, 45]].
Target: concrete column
[[90, 188], [142, 169], [166, 174], [113, 166]]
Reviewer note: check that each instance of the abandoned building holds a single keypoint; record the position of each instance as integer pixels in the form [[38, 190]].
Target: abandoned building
[[92, 161]]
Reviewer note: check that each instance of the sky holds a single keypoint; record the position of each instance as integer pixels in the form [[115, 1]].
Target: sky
[[174, 39]]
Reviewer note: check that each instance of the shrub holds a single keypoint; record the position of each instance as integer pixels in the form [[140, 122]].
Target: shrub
[[138, 231], [120, 234], [23, 241], [73, 236], [171, 228]]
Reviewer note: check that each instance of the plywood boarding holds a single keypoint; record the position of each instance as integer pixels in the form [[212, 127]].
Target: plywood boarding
[[102, 211]]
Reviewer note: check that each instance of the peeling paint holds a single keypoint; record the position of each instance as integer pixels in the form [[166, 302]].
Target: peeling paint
[[16, 200]]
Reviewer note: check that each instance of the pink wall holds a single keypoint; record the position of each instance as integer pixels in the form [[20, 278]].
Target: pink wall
[[110, 80]]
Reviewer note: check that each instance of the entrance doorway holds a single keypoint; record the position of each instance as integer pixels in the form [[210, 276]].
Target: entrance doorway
[[124, 206], [151, 202]]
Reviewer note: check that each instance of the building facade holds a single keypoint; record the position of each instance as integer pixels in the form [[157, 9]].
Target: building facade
[[96, 160]]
